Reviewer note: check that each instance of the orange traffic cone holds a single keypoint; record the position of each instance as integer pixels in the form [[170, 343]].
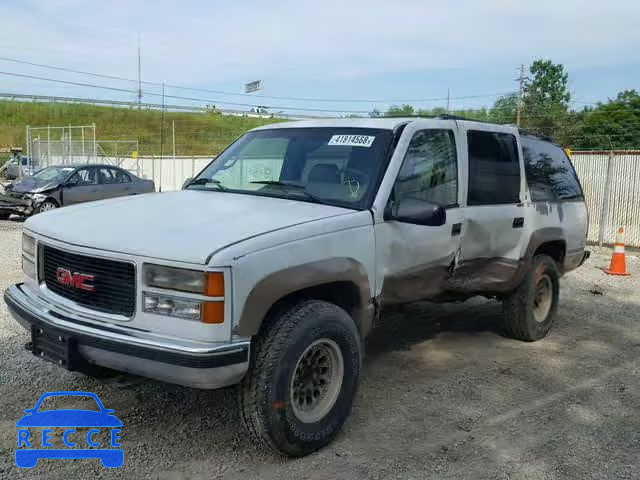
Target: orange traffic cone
[[618, 264]]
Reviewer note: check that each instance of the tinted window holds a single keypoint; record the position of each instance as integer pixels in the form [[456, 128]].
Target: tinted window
[[429, 170], [119, 176], [494, 168], [84, 176], [105, 176], [550, 175]]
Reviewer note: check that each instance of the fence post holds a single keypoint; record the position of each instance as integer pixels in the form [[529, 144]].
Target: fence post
[[604, 211]]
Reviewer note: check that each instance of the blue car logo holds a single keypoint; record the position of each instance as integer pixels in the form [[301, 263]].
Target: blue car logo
[[32, 447]]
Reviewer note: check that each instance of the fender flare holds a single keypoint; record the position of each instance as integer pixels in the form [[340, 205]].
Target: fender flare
[[282, 283]]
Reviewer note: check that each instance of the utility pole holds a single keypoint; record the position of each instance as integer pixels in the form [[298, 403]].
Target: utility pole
[[520, 93], [161, 137], [139, 78], [448, 98]]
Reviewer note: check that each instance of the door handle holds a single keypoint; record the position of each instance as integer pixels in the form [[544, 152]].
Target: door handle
[[456, 228], [518, 222]]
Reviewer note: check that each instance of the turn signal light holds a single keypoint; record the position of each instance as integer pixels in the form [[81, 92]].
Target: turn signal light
[[212, 312], [215, 284]]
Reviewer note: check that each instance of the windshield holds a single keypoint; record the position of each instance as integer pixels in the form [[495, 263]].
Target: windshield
[[53, 173], [337, 166]]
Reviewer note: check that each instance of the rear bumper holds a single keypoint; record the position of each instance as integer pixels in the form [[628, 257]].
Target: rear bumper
[[212, 366]]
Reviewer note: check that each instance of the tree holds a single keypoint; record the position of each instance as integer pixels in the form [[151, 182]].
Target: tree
[[546, 98], [403, 111], [611, 125], [504, 109]]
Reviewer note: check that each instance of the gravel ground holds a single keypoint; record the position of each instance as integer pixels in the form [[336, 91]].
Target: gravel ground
[[443, 396]]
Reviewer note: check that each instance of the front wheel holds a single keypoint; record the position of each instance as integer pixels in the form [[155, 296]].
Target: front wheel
[[303, 378], [529, 311], [46, 206]]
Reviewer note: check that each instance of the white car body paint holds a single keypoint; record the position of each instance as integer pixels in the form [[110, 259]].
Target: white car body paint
[[249, 238]]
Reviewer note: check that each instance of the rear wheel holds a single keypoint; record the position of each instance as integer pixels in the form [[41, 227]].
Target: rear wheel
[[303, 378], [529, 311]]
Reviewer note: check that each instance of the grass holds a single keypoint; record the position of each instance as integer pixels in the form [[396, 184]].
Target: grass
[[196, 133]]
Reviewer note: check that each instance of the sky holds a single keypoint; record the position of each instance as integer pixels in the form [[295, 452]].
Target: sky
[[381, 52]]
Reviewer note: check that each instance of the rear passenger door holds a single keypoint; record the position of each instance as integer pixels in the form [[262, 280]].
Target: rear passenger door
[[494, 218]]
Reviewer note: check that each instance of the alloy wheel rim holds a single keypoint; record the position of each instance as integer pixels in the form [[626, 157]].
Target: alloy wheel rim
[[543, 298], [317, 380]]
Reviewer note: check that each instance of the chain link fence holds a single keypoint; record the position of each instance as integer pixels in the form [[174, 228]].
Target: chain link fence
[[611, 184]]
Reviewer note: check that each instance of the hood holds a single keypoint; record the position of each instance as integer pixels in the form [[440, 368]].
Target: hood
[[32, 185], [185, 226]]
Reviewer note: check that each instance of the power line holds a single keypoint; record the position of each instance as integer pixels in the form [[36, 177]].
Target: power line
[[219, 92]]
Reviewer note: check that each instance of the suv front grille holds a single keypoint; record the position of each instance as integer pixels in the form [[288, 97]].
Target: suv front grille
[[114, 282]]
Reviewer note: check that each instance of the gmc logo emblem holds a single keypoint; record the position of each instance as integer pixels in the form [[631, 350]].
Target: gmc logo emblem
[[75, 279]]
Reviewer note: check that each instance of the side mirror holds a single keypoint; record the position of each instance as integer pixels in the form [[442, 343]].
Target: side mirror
[[417, 212], [186, 182], [70, 185]]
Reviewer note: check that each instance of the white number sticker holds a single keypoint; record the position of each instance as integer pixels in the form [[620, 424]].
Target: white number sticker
[[352, 140]]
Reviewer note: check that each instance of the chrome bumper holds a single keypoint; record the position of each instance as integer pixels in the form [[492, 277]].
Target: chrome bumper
[[135, 351]]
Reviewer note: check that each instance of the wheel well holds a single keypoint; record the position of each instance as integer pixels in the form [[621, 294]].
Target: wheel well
[[556, 249], [50, 199], [344, 294]]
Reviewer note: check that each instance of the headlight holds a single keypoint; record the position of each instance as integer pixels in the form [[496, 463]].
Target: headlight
[[205, 312], [184, 280], [172, 307], [28, 245], [174, 278], [28, 267]]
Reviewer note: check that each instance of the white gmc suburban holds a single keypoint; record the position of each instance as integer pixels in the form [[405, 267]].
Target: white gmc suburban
[[271, 266]]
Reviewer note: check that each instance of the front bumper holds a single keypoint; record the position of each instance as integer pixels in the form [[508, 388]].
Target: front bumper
[[135, 351], [18, 206]]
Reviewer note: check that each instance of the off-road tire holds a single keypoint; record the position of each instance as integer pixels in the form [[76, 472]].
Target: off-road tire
[[518, 308], [265, 396]]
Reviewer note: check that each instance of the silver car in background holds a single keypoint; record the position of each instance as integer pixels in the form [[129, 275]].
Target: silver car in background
[[59, 186], [15, 164]]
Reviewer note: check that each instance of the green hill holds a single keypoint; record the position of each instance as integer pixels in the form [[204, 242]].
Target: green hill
[[196, 133]]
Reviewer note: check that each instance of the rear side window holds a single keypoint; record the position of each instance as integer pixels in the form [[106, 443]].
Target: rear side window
[[494, 168], [119, 176], [550, 175]]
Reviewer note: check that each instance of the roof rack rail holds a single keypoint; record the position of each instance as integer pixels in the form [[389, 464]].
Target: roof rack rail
[[546, 138]]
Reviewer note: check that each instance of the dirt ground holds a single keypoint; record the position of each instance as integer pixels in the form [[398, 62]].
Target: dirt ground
[[443, 395]]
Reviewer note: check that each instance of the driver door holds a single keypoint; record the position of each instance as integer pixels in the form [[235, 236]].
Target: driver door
[[82, 186], [414, 261]]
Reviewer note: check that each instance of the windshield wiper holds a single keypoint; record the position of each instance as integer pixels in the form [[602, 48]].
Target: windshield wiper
[[295, 186], [205, 181]]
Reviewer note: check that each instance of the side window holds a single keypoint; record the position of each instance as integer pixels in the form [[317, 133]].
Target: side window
[[119, 176], [429, 170], [105, 176], [84, 176], [494, 168], [549, 172]]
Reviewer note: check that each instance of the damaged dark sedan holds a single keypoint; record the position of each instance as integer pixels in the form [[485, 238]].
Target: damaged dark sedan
[[59, 186]]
